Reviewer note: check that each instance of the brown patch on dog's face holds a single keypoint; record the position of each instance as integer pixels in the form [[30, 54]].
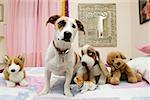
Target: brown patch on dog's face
[[60, 23], [115, 59]]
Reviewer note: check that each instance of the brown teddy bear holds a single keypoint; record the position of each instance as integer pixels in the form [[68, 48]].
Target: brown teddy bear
[[119, 69]]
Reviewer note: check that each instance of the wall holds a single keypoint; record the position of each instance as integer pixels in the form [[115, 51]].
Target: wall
[[2, 38], [140, 34], [123, 25]]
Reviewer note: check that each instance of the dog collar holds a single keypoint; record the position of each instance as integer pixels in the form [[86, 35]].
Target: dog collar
[[61, 51]]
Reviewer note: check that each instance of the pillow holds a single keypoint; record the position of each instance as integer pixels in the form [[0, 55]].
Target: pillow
[[142, 65], [144, 49]]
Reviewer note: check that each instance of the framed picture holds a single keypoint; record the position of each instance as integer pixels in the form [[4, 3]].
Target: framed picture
[[1, 12], [99, 20], [144, 11]]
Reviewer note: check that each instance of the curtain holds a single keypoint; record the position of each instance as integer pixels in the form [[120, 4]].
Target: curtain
[[26, 30]]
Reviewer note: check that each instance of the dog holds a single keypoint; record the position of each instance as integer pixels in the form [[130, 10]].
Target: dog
[[60, 58], [120, 70], [14, 72], [92, 66]]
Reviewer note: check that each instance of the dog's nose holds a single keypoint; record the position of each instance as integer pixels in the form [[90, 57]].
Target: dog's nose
[[13, 70], [118, 63], [67, 35], [84, 64]]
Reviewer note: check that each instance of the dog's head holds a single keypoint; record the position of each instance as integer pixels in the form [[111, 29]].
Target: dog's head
[[65, 27], [115, 59], [89, 56], [14, 64]]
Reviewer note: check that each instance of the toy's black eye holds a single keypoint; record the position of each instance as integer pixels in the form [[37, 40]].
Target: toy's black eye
[[73, 26], [116, 56], [9, 65], [112, 60], [17, 63]]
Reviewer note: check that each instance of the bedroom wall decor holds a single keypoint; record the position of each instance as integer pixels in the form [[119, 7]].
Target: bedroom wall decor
[[1, 12], [100, 24], [144, 11]]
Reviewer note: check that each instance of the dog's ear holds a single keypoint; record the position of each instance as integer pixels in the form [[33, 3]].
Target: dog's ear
[[122, 56], [80, 26], [5, 59], [21, 58], [97, 55], [52, 19]]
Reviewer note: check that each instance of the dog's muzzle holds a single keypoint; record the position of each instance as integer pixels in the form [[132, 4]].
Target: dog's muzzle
[[67, 36]]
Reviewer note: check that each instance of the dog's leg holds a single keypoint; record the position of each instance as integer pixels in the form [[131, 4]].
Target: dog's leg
[[92, 78], [115, 80], [23, 82], [69, 74], [47, 83], [10, 83], [102, 79]]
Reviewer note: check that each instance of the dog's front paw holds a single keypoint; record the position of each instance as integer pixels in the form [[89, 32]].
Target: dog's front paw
[[114, 81], [101, 82], [68, 93], [23, 83], [10, 84]]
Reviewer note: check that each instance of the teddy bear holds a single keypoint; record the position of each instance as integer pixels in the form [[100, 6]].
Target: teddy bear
[[14, 72], [120, 70]]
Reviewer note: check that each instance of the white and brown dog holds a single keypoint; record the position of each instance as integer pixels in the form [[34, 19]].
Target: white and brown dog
[[92, 66], [14, 71], [60, 58]]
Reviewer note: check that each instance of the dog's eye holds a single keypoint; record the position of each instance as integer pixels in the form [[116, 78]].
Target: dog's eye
[[9, 65], [61, 23], [112, 60], [90, 53], [73, 26], [116, 56], [17, 63]]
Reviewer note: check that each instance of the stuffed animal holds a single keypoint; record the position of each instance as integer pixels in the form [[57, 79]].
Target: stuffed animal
[[92, 66], [120, 70], [84, 85], [14, 72]]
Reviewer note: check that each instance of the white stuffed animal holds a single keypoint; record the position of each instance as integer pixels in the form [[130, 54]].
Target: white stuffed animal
[[14, 72]]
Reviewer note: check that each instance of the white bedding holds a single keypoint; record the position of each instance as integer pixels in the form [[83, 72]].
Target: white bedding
[[124, 91]]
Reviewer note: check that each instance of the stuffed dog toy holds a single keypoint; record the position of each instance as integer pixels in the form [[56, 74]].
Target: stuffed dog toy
[[92, 66], [14, 72], [120, 69], [60, 58], [84, 85]]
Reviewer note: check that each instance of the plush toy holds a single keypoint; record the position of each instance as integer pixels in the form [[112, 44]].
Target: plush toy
[[84, 85], [14, 72], [120, 70], [92, 69]]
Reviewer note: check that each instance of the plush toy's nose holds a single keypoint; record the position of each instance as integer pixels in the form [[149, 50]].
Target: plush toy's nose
[[13, 70], [84, 64], [118, 63]]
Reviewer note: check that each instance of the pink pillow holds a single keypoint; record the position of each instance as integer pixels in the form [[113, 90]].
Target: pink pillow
[[144, 49]]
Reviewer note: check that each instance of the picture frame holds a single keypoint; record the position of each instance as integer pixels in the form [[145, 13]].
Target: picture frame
[[144, 11], [1, 12], [99, 20]]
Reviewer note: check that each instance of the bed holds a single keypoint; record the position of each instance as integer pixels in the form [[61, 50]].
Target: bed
[[123, 91]]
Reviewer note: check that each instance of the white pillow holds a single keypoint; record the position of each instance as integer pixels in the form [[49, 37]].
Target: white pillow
[[142, 65]]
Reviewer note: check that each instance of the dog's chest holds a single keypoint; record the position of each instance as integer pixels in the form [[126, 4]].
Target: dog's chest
[[59, 64], [16, 77]]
